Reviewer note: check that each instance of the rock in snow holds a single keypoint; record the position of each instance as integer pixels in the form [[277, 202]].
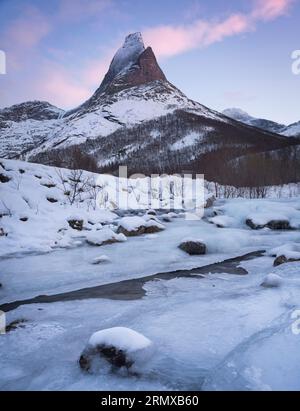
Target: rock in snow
[[281, 259], [133, 226], [119, 347], [272, 281], [103, 237], [276, 224], [193, 247]]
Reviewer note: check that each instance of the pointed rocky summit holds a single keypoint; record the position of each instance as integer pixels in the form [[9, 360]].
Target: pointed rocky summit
[[132, 65]]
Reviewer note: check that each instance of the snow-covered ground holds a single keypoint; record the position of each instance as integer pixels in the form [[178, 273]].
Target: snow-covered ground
[[223, 331]]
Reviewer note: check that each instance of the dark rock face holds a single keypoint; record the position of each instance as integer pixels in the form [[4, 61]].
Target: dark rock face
[[76, 224], [282, 259], [145, 71], [193, 247]]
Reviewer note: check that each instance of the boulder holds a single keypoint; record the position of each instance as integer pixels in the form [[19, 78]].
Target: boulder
[[118, 348], [193, 247], [272, 281], [272, 224], [76, 224], [282, 259], [166, 218], [151, 212], [134, 226], [279, 225], [253, 225], [4, 178], [103, 237]]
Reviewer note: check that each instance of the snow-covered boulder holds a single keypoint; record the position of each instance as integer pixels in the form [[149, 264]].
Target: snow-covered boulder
[[151, 212], [193, 246], [116, 349], [168, 217], [222, 221], [272, 281], [133, 226], [103, 237]]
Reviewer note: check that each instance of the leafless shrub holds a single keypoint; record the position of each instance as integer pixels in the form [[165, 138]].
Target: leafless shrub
[[74, 185]]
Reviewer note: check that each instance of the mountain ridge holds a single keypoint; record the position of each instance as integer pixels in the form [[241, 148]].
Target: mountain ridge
[[291, 130]]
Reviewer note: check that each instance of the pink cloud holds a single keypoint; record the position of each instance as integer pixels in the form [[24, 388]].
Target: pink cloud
[[76, 10], [27, 30], [56, 84], [168, 41], [171, 40], [95, 70], [271, 9]]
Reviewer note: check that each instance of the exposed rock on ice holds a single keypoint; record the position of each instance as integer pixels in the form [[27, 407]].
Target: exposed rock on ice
[[193, 247], [133, 226], [103, 237]]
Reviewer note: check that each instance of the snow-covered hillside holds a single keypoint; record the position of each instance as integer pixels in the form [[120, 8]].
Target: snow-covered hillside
[[293, 130], [38, 203]]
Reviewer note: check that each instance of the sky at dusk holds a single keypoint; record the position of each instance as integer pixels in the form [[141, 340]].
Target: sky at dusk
[[233, 53]]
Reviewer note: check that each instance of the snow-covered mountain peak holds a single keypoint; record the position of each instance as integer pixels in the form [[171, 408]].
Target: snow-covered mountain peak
[[132, 66], [237, 114], [124, 59], [31, 110], [292, 130], [134, 40]]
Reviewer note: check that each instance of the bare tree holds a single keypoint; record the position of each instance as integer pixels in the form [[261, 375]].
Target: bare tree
[[74, 185]]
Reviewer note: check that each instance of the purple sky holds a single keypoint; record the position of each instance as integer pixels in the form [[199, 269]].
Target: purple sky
[[222, 54]]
